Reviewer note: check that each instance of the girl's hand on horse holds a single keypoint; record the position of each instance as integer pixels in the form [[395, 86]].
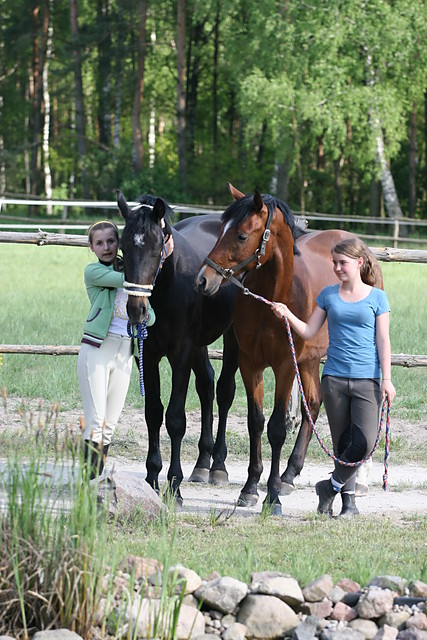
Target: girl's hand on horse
[[280, 310], [387, 389], [169, 246]]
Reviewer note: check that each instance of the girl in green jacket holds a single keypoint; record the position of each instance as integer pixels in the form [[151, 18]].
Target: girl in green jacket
[[105, 359]]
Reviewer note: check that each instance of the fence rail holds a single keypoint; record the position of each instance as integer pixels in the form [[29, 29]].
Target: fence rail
[[41, 238], [397, 359], [395, 224]]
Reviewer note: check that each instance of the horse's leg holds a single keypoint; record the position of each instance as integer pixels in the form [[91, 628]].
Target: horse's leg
[[204, 382], [309, 371], [254, 386], [225, 391], [175, 417], [154, 419], [276, 431]]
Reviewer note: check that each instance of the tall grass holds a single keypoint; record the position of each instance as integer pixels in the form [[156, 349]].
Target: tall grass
[[44, 302]]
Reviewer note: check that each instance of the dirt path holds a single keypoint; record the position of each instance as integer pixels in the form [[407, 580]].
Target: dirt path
[[405, 497]]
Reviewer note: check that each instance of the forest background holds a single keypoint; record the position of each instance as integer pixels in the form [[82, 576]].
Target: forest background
[[321, 102]]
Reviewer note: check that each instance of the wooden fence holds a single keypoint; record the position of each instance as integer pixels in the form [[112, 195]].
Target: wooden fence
[[395, 225], [42, 238]]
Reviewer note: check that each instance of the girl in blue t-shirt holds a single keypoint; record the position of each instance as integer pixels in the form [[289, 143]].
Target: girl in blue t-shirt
[[357, 374]]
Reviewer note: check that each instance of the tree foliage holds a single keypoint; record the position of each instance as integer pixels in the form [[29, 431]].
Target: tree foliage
[[285, 97]]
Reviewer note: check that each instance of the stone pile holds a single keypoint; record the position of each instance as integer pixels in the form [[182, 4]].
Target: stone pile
[[272, 605]]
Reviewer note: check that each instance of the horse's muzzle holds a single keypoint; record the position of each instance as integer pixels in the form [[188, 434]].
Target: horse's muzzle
[[137, 308]]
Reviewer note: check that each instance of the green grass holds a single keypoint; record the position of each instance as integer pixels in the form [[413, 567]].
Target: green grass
[[43, 301], [305, 549]]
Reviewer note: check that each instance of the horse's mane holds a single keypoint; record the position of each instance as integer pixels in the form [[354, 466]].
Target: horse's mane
[[241, 209], [138, 223]]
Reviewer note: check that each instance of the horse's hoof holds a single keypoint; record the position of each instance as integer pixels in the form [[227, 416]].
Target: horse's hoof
[[247, 499], [199, 475], [286, 489], [361, 490], [273, 508], [217, 476]]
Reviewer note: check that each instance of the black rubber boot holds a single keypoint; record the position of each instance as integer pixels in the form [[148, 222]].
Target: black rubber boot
[[326, 493], [93, 458], [349, 508]]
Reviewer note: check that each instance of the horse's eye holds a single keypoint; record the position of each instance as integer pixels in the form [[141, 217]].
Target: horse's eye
[[242, 237]]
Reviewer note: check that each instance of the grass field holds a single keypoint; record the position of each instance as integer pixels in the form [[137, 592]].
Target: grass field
[[43, 301]]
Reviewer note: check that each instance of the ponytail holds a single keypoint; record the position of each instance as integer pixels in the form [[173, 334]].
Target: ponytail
[[370, 271]]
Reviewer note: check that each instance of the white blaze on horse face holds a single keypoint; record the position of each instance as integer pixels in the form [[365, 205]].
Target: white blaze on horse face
[[226, 228], [139, 239]]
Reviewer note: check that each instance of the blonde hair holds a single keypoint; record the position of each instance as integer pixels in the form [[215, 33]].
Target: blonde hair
[[355, 248], [100, 225]]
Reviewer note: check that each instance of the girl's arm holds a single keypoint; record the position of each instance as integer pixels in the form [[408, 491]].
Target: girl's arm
[[307, 329], [98, 275], [382, 326]]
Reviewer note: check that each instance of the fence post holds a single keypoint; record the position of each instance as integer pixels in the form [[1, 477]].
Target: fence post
[[396, 234]]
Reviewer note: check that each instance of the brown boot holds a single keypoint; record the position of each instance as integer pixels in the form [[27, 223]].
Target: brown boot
[[326, 493], [349, 508]]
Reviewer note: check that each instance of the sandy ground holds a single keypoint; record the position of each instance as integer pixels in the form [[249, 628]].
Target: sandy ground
[[406, 493]]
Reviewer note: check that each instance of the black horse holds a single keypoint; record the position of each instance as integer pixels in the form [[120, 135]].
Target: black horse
[[186, 322]]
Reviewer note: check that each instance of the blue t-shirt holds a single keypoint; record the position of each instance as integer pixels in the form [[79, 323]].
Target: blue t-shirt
[[352, 351]]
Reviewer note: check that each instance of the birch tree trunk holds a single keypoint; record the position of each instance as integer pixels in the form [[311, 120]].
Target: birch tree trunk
[[412, 162], [46, 124]]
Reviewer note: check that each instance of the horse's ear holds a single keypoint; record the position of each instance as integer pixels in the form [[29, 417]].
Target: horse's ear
[[125, 210], [258, 201], [159, 209], [235, 192]]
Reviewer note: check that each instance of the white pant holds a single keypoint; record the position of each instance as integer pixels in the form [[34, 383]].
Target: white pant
[[104, 376]]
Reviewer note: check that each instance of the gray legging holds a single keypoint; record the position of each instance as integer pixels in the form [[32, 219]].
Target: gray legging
[[353, 409]]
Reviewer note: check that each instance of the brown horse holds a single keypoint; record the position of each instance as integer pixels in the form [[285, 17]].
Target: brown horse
[[259, 237]]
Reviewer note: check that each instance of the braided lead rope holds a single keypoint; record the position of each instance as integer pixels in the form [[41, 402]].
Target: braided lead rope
[[141, 334], [310, 419], [141, 329]]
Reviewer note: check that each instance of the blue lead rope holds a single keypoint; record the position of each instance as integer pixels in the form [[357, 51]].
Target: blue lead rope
[[141, 334]]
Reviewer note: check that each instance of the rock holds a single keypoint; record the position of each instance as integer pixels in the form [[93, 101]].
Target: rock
[[374, 603], [343, 612], [140, 567], [184, 579], [347, 585], [275, 584], [318, 589], [395, 583], [223, 594], [58, 634], [266, 617], [418, 589], [341, 634], [412, 634], [133, 495], [236, 631], [386, 633], [418, 620], [366, 627], [306, 630], [395, 619]]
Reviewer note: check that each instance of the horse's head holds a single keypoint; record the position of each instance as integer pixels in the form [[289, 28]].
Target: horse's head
[[143, 246], [243, 243]]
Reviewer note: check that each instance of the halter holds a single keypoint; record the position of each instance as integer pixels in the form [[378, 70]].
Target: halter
[[228, 273], [143, 291]]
